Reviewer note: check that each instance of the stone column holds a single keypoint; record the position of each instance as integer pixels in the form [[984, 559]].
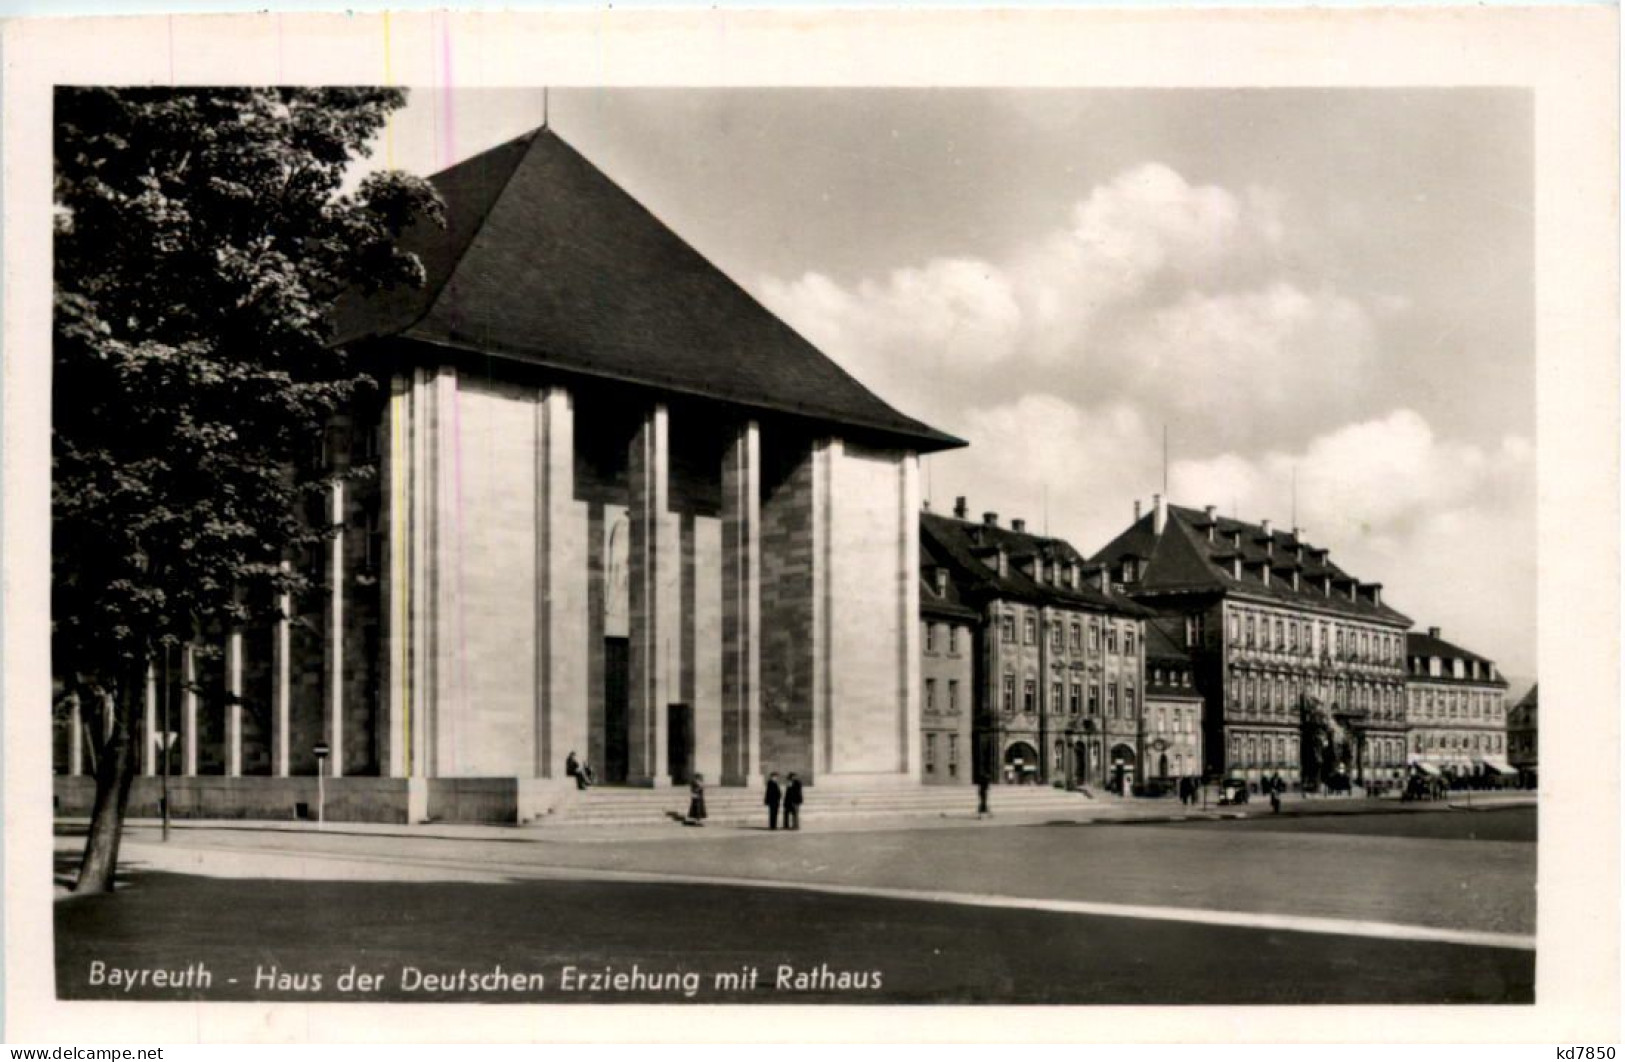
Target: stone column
[[76, 736], [234, 706], [335, 633], [561, 591], [908, 619], [742, 609], [188, 712], [648, 470], [149, 724], [281, 682]]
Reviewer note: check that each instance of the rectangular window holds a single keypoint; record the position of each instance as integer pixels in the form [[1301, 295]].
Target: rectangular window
[[930, 694], [1009, 695], [1128, 701], [1128, 642], [1111, 639], [1029, 629], [930, 637], [1249, 632], [930, 753], [1111, 700], [1094, 636], [1094, 699], [1235, 629], [953, 640], [953, 755], [1029, 696], [1077, 636], [1055, 697], [953, 696], [1007, 628], [1077, 696], [1055, 637], [1280, 635], [1292, 636]]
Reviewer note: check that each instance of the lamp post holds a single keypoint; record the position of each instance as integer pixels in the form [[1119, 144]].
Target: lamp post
[[163, 796], [321, 750]]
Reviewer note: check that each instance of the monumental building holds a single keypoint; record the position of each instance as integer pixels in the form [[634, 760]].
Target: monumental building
[[1277, 633], [1456, 709], [612, 506], [1058, 657]]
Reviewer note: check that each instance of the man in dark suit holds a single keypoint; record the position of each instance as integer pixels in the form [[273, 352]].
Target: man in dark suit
[[792, 803], [772, 801]]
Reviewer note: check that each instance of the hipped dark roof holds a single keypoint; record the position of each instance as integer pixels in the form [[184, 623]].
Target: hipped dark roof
[[1426, 646], [1183, 559], [969, 551], [545, 260]]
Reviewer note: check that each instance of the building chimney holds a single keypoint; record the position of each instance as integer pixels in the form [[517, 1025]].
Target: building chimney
[[1212, 512], [1264, 526], [1235, 566], [1376, 593], [1137, 513], [1433, 632], [1004, 564], [1159, 514], [1018, 525], [1038, 569], [990, 519], [925, 505], [1294, 578], [961, 509]]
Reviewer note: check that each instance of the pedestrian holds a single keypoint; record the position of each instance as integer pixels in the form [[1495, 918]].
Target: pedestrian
[[696, 802], [982, 811], [1275, 798], [772, 800], [792, 803], [574, 769]]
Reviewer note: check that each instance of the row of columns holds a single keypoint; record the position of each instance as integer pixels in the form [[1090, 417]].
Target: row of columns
[[428, 630], [281, 688]]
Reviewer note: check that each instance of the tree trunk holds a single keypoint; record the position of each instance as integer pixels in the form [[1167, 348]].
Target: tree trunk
[[115, 773]]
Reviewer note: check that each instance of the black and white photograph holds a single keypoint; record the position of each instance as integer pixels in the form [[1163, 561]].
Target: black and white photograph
[[538, 542]]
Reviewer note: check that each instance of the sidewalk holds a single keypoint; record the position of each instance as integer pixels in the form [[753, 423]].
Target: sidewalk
[[1102, 811]]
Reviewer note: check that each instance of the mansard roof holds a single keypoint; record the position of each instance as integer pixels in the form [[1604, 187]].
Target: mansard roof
[[1184, 559], [969, 550], [1428, 645], [545, 260]]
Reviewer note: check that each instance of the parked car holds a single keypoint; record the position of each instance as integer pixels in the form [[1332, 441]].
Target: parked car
[[1234, 792]]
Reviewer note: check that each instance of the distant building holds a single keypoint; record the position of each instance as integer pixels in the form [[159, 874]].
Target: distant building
[[1456, 715], [1059, 657], [1523, 737], [1171, 726], [1278, 634]]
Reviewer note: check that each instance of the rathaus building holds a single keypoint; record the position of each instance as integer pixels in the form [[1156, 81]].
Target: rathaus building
[[610, 506], [1276, 631]]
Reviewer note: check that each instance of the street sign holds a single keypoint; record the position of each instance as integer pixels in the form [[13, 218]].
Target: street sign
[[321, 750]]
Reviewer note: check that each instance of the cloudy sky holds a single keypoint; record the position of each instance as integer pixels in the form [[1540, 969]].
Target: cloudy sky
[[1329, 286]]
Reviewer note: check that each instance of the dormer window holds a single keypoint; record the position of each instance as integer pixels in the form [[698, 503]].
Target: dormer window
[[1131, 570], [942, 582]]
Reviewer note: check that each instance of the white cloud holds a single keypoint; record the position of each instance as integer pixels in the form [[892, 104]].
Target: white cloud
[[1151, 286], [1448, 527]]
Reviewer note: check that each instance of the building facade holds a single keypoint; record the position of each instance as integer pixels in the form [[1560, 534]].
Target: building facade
[[1456, 710], [613, 507], [1523, 737], [1171, 725], [1301, 666], [1059, 658], [948, 640]]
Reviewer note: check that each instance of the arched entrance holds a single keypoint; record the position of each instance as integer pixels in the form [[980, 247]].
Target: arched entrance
[[1020, 764], [1122, 764]]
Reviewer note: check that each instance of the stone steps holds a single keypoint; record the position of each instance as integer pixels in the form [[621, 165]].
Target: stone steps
[[732, 806]]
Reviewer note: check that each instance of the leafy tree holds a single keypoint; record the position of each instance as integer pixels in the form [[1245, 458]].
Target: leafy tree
[[201, 238]]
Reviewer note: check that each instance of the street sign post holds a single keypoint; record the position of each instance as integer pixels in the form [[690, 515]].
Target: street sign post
[[321, 750]]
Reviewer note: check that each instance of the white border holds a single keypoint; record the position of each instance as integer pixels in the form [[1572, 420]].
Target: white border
[[1566, 54]]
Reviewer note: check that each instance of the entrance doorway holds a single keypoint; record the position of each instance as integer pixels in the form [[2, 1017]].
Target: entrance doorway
[[1020, 764], [617, 708], [680, 743]]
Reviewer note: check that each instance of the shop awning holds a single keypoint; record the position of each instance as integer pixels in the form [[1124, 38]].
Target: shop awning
[[1497, 764], [1426, 768]]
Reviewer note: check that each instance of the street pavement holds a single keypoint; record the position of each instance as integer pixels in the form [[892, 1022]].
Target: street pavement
[[1434, 906]]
